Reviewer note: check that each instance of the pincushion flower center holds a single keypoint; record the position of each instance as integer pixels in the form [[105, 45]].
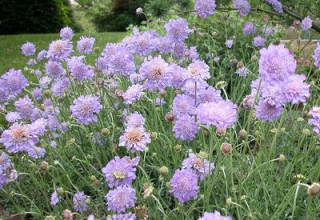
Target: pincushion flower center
[[19, 134], [197, 163], [156, 72], [134, 136], [119, 174], [58, 46]]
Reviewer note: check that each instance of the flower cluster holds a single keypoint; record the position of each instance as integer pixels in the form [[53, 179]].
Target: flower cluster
[[242, 6], [205, 8], [276, 5], [7, 171], [315, 121]]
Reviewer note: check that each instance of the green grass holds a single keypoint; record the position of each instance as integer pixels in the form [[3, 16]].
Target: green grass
[[10, 53]]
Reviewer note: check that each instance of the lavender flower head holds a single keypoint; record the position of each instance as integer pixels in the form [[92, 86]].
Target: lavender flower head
[[79, 202], [185, 128], [133, 94], [85, 44], [28, 49], [59, 50], [42, 55], [295, 89], [306, 23], [242, 6], [85, 109], [139, 11], [177, 75], [315, 121], [183, 104], [268, 109], [242, 71], [13, 117], [268, 31], [276, 5], [127, 216], [59, 86], [54, 199], [79, 70], [198, 70], [54, 69], [316, 56], [229, 43], [121, 198], [177, 29], [222, 114], [66, 33], [13, 81], [25, 107], [201, 166], [184, 185], [214, 216], [135, 120], [258, 41], [249, 28], [135, 139], [205, 8], [120, 171]]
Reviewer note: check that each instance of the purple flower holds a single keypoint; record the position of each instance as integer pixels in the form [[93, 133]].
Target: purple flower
[[179, 49], [249, 28], [85, 109], [185, 128], [79, 202], [155, 72], [184, 185], [276, 63], [120, 171], [13, 117], [42, 55], [133, 94], [214, 216], [295, 90], [5, 162], [59, 50], [78, 70], [142, 43], [54, 198], [139, 11], [164, 44], [13, 81], [316, 56], [121, 198], [221, 114], [66, 33], [198, 70], [276, 5], [190, 87], [306, 23], [177, 30], [268, 109], [183, 104], [85, 44], [268, 31], [242, 6], [258, 41], [127, 216], [201, 166], [37, 93], [59, 86], [28, 49], [209, 94], [32, 62], [135, 120], [135, 139], [205, 8], [177, 75], [193, 53], [54, 69], [315, 121], [242, 71], [24, 106], [44, 82], [229, 43]]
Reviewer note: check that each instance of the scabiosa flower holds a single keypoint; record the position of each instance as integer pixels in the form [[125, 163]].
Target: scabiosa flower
[[44, 82], [135, 139], [59, 86], [24, 106], [177, 75], [120, 171], [85, 109], [249, 28], [142, 43], [258, 41], [37, 93], [133, 94], [214, 216], [209, 94], [32, 62], [242, 6], [276, 63], [306, 23], [295, 90], [201, 166], [185, 128], [13, 81], [316, 56], [179, 49], [193, 53], [248, 101], [135, 120], [190, 86], [198, 70], [121, 198], [127, 216], [205, 8], [13, 117], [54, 69], [315, 121], [276, 5], [28, 49], [184, 185], [66, 33], [221, 114], [54, 199], [4, 162], [155, 72], [268, 109], [78, 70], [67, 214], [229, 43], [242, 71], [42, 55], [183, 104], [59, 50], [79, 202], [268, 31], [139, 11], [177, 29], [85, 44]]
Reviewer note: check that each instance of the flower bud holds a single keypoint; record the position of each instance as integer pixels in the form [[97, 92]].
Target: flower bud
[[243, 134], [178, 148], [306, 131], [203, 155], [282, 158], [67, 214], [44, 166], [49, 218], [153, 135], [205, 132], [221, 132], [47, 93], [105, 132], [229, 201], [88, 201], [254, 58], [314, 189], [226, 148], [163, 170], [240, 64], [169, 117]]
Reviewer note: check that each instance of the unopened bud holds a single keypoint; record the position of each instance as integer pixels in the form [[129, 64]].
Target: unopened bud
[[243, 134], [282, 158], [226, 148], [105, 132], [153, 135], [221, 132], [44, 166], [306, 131], [169, 117], [163, 171], [47, 93], [178, 148], [229, 201], [49, 218], [314, 189]]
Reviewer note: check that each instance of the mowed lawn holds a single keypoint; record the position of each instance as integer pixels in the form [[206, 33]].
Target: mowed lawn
[[10, 52]]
